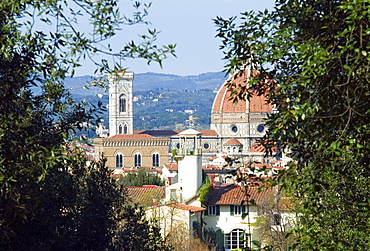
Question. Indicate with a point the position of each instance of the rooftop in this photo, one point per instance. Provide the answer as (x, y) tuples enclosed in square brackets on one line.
[(146, 195), (235, 195)]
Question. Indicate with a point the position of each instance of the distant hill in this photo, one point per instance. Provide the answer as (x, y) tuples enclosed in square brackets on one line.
[(163, 101), (155, 81)]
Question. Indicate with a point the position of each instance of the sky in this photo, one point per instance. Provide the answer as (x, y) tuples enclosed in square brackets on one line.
[(189, 24)]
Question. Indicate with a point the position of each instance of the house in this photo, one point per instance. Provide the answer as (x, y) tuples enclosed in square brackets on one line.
[(232, 212), (169, 173), (177, 219), (147, 195)]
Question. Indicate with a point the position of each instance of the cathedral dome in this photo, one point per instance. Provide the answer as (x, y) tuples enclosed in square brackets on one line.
[(222, 103)]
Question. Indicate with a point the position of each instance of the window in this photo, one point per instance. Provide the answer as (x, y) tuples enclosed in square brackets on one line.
[(234, 129), (237, 210), (122, 129), (137, 159), (235, 239), (155, 159), (206, 146), (122, 103), (173, 195), (260, 128), (228, 149), (213, 210), (119, 160)]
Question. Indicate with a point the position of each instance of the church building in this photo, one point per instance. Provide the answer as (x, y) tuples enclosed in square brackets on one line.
[(233, 131)]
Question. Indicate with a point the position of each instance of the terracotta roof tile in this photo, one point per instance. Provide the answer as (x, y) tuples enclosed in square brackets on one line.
[(257, 147), (131, 136), (130, 170), (259, 104), (223, 104), (264, 165), (144, 195), (192, 209), (210, 167), (234, 195), (208, 132), (233, 141), (172, 167)]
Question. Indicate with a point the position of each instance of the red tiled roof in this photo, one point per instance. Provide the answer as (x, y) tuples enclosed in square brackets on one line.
[(153, 169), (145, 195), (131, 136), (223, 104), (192, 209), (259, 104), (210, 167), (276, 161), (208, 132), (257, 147), (235, 195), (264, 165), (213, 158), (172, 167), (233, 141), (130, 170)]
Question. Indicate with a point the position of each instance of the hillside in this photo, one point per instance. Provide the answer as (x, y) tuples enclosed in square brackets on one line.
[(154, 81), (161, 101)]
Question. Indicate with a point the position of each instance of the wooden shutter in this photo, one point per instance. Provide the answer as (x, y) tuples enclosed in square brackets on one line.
[(232, 210), (244, 214), (243, 209), (217, 209)]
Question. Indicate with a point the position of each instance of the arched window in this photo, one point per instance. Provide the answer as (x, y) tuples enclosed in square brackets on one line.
[(137, 159), (235, 239), (119, 160), (155, 159), (122, 103), (120, 129), (125, 130), (228, 149)]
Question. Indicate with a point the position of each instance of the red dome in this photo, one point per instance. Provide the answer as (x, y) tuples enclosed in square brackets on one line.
[(223, 104)]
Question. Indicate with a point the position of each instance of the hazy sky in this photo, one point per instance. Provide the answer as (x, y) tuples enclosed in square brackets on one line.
[(187, 23)]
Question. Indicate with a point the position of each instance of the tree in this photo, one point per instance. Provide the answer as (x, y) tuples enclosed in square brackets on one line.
[(140, 233), (142, 177), (274, 222), (317, 54), (50, 198)]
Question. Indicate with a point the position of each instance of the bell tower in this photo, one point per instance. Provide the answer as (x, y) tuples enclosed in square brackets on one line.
[(120, 103), (189, 158)]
